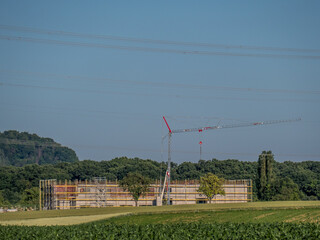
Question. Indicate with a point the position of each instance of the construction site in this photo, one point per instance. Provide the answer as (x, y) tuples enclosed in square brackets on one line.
[(102, 193)]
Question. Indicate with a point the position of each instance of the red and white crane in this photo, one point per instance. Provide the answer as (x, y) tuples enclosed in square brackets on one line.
[(201, 129)]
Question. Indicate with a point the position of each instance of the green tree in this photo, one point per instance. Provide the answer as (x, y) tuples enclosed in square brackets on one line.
[(265, 175), (285, 190), (21, 148), (187, 170), (3, 201), (211, 185), (30, 197), (313, 188), (136, 184)]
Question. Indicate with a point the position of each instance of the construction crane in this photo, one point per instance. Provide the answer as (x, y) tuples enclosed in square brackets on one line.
[(201, 129)]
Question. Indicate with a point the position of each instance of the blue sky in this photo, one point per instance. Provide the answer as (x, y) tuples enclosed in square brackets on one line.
[(103, 89)]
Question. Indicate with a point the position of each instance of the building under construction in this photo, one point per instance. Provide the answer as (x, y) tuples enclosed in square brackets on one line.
[(102, 193)]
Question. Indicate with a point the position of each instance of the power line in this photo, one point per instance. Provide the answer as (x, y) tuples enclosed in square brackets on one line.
[(150, 41), (157, 50), (162, 84), (9, 141), (82, 111), (146, 94), (89, 112), (156, 150)]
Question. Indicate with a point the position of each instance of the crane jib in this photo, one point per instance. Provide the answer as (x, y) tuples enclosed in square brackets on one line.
[(230, 126)]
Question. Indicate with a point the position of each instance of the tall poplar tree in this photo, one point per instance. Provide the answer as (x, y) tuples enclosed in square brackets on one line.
[(265, 175), (262, 178)]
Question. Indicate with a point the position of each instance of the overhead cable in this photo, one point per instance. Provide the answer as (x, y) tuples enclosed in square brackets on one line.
[(159, 84), (157, 50), (150, 41), (104, 92), (9, 141)]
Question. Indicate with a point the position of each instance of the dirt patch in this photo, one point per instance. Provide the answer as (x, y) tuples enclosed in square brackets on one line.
[(314, 218), (264, 215), (299, 218), (61, 220)]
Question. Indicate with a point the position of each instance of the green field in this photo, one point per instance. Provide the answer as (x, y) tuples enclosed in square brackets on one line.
[(311, 215), (21, 216), (185, 231), (259, 220)]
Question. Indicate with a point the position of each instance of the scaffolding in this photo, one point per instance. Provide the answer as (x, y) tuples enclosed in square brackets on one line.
[(100, 192), (101, 197), (47, 194)]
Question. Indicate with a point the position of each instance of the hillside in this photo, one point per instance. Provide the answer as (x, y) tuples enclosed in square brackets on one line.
[(22, 148)]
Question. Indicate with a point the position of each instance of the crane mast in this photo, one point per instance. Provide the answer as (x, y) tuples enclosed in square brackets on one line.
[(201, 129), (168, 173)]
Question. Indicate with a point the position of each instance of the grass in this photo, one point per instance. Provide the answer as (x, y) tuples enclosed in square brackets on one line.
[(311, 215), (268, 220), (77, 216)]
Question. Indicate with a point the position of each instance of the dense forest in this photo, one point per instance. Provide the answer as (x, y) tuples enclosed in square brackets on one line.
[(290, 180), (19, 149)]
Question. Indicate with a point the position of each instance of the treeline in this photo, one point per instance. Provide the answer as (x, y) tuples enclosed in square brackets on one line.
[(288, 181), (22, 148)]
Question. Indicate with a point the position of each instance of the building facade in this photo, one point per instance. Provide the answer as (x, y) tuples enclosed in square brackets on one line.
[(102, 193)]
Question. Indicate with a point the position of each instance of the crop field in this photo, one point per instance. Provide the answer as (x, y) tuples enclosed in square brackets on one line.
[(269, 220), (21, 216), (309, 215), (102, 230)]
